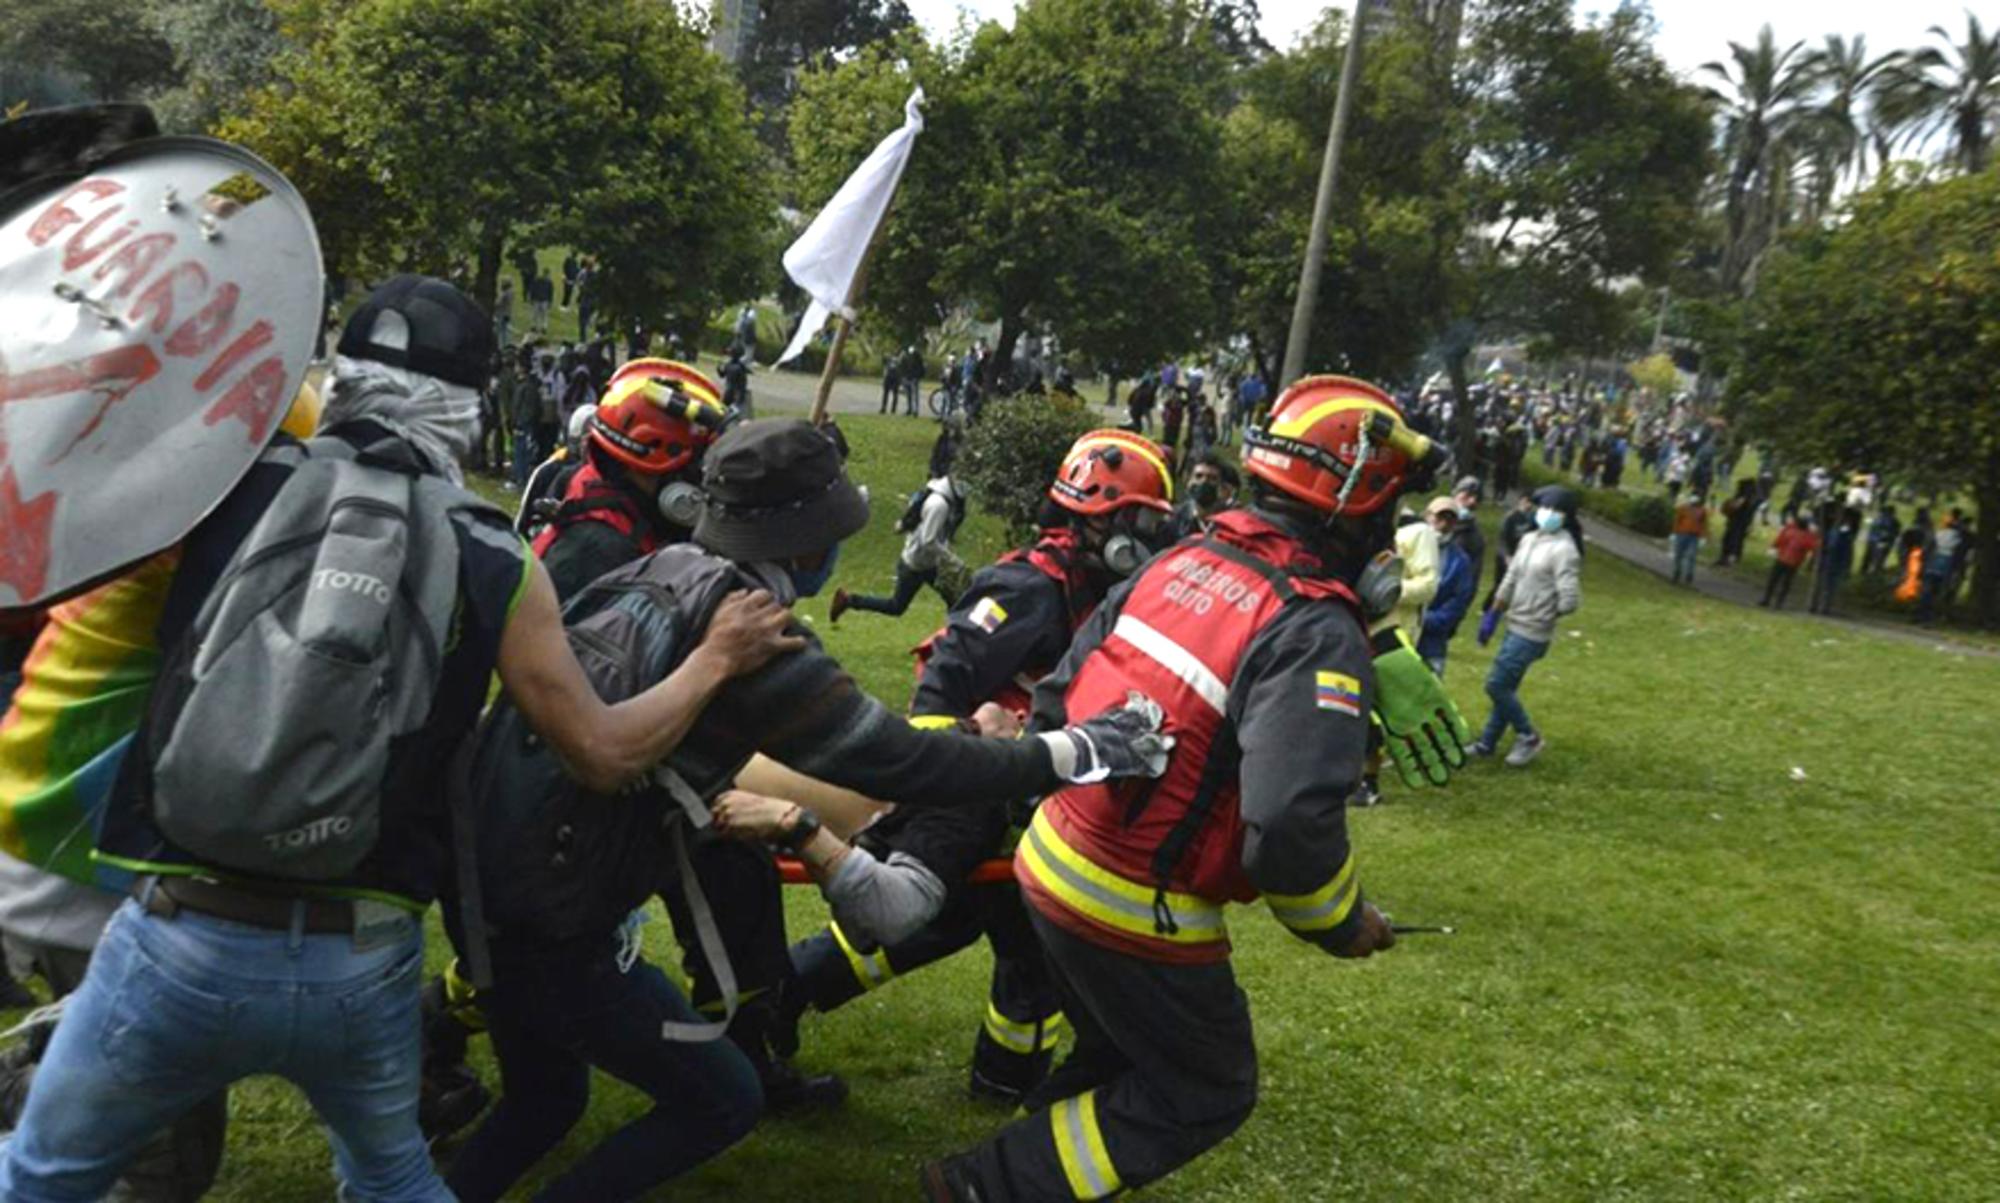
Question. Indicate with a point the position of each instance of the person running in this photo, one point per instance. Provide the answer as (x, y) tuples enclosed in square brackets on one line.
[(1543, 585), (928, 525), (1109, 509), (1254, 641)]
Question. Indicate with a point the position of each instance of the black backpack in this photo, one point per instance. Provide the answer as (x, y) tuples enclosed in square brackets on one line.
[(913, 513)]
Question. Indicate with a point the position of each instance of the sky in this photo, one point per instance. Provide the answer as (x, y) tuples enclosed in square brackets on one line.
[(1692, 32)]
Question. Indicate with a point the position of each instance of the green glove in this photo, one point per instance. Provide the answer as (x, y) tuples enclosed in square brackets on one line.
[(1421, 726)]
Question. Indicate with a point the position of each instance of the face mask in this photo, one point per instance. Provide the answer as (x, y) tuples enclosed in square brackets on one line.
[(1465, 513), (1205, 493), (1549, 520), (1380, 586), (810, 583)]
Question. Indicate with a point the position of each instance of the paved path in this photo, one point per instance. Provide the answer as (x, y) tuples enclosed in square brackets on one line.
[(1654, 556)]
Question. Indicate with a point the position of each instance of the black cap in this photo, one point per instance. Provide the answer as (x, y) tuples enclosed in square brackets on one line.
[(451, 337), (1557, 498), (775, 489)]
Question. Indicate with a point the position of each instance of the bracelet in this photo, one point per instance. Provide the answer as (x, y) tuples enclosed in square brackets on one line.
[(804, 828)]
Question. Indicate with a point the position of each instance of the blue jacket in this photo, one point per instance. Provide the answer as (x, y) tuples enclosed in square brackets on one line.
[(1456, 587)]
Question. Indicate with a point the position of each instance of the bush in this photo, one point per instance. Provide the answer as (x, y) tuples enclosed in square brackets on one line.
[(1013, 452), (1647, 515)]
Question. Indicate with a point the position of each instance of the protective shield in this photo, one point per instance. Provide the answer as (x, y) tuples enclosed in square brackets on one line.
[(156, 317)]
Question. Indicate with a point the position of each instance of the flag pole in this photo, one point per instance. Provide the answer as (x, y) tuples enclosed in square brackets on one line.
[(831, 369)]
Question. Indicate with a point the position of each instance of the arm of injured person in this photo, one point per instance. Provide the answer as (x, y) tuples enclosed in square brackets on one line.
[(876, 901)]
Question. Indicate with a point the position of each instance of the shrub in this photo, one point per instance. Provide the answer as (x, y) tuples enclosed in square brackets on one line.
[(1647, 515), (1013, 452)]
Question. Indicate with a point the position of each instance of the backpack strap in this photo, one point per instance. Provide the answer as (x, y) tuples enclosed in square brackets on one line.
[(465, 852), (695, 811)]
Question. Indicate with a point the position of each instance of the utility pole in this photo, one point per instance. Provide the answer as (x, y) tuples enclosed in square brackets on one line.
[(1329, 175)]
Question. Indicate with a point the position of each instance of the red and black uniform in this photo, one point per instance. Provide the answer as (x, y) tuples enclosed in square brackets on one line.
[(1009, 630), (1255, 655), (602, 524)]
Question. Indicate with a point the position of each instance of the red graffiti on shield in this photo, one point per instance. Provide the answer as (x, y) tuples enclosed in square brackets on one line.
[(24, 552), (112, 375)]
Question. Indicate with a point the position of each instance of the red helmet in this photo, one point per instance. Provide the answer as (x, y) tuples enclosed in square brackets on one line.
[(1337, 444), (657, 415), (1108, 470)]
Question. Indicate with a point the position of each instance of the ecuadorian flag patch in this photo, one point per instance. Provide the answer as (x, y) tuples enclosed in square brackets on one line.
[(988, 615), (1338, 691)]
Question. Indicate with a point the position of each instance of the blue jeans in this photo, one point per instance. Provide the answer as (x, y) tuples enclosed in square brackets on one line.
[(173, 1010), (1685, 549), (551, 1021), (1503, 683)]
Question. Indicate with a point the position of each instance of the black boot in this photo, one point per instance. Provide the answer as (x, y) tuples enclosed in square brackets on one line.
[(950, 1181), (786, 1087)]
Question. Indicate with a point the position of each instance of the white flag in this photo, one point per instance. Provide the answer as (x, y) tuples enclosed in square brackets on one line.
[(826, 257)]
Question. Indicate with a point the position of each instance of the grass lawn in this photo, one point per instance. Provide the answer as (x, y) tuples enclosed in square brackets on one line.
[(1680, 973)]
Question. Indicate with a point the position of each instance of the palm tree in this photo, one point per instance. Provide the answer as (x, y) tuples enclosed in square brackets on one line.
[(1842, 134), (1763, 110), (1933, 92)]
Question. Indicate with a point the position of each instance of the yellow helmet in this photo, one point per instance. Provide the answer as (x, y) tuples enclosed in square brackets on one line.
[(302, 419)]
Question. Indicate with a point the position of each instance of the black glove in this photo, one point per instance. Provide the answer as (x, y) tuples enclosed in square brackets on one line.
[(1124, 741)]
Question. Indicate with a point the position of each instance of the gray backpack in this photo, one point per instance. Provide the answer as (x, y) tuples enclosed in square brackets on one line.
[(271, 733)]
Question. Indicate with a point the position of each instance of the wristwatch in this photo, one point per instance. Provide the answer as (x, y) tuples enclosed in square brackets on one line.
[(804, 828)]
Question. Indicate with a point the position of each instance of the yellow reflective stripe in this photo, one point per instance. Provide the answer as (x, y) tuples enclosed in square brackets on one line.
[(1325, 907), (1138, 445), (934, 722), (1023, 1038), (1109, 899), (1293, 428), (870, 969), (1085, 1160)]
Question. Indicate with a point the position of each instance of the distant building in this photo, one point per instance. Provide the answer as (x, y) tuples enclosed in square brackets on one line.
[(735, 29)]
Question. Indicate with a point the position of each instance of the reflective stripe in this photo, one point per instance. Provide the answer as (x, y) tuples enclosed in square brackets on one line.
[(1325, 907), (1023, 1038), (1104, 897), (1296, 428), (1175, 659), (870, 969), (935, 722), (1085, 1161)]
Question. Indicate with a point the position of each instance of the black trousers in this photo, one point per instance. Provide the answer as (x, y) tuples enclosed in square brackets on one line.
[(1017, 1036), (909, 582), (1779, 585), (1164, 1069), (743, 890)]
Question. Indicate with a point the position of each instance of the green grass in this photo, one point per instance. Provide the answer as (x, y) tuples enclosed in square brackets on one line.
[(1680, 974)]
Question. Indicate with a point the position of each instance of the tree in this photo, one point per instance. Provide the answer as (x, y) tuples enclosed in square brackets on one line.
[(1956, 94), (1764, 109), (1067, 176), (794, 35), (112, 44), (1872, 343), (1584, 161), (1838, 131), (1396, 219), (223, 49), (432, 133)]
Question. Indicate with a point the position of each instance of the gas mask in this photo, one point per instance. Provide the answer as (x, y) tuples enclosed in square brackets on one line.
[(680, 503), (1380, 585), (1136, 535)]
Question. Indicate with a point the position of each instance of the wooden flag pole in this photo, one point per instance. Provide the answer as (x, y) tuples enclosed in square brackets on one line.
[(846, 326)]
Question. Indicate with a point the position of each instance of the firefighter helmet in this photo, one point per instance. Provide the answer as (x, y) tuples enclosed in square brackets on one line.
[(658, 415), (1108, 470), (1337, 444)]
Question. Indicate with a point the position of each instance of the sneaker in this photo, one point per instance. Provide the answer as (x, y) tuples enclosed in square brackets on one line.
[(1525, 750), (1478, 749), (841, 601), (1368, 793)]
